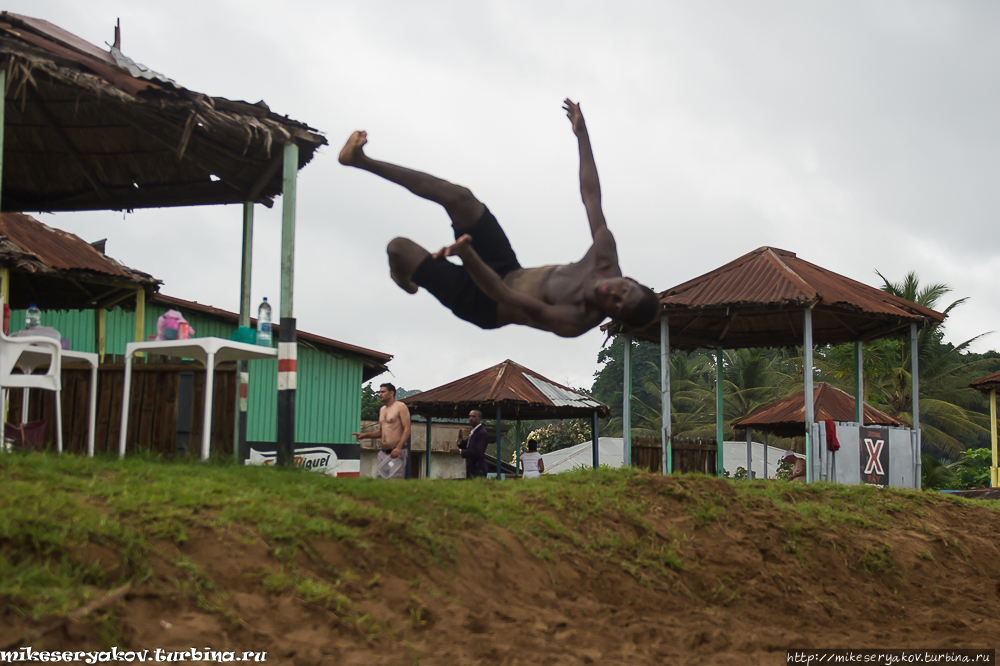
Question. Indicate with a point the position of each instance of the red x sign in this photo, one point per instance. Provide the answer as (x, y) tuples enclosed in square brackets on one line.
[(874, 451)]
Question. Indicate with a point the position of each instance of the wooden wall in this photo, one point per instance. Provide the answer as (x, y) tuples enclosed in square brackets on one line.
[(152, 425), (689, 455)]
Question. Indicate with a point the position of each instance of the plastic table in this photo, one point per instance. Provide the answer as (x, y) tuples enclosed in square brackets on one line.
[(211, 352), (36, 356)]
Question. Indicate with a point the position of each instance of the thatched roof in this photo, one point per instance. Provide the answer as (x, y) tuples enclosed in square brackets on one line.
[(787, 417), (60, 271), (519, 392), (758, 300), (91, 129)]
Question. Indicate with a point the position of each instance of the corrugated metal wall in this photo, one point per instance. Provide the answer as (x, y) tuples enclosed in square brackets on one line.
[(78, 326), (328, 396)]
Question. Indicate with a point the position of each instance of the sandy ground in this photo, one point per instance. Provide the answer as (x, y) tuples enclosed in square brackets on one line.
[(750, 590)]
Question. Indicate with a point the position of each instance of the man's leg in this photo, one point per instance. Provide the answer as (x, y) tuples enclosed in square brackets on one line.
[(463, 208)]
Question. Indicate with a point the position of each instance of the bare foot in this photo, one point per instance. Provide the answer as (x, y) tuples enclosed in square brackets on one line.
[(406, 284), (351, 154)]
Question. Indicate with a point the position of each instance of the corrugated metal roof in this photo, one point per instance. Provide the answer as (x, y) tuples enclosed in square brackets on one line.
[(787, 417), (61, 271), (759, 299), (561, 397), (518, 391), (987, 383), (56, 248)]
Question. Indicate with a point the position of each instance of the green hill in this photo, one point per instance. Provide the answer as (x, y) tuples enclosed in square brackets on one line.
[(588, 567)]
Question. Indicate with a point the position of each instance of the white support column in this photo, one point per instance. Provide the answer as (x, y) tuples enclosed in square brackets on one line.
[(126, 398), (859, 383), (206, 435), (918, 469), (666, 463), (807, 395), (627, 403)]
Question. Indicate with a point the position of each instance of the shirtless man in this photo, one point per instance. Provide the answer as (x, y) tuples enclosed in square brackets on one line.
[(393, 429), (492, 289)]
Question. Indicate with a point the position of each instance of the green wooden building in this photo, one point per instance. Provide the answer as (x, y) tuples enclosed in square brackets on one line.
[(330, 373)]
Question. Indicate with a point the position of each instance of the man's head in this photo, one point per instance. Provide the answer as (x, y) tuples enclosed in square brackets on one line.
[(789, 456), (627, 301), (532, 445), (475, 417), (387, 392)]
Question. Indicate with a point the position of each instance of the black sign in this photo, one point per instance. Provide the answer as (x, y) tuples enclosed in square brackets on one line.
[(875, 456)]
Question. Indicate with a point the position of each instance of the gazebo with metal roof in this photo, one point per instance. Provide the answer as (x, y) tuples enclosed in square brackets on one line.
[(506, 389), (787, 417), (771, 298), (82, 128)]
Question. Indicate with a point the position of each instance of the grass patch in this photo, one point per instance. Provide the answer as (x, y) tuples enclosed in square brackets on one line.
[(56, 510)]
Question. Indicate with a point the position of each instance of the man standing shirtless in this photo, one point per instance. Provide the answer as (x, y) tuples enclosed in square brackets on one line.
[(492, 289), (393, 430)]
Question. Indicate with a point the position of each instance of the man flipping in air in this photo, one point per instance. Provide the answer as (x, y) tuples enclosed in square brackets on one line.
[(492, 289)]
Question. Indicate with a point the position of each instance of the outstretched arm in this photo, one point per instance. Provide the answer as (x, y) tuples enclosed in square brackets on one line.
[(590, 184)]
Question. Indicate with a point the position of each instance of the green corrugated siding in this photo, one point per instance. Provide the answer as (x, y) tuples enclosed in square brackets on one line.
[(120, 327), (328, 395), (327, 399), (77, 326)]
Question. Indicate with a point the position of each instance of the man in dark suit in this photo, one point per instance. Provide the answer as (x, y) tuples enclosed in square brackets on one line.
[(472, 447)]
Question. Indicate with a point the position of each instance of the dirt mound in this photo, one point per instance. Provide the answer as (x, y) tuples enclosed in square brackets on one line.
[(704, 572)]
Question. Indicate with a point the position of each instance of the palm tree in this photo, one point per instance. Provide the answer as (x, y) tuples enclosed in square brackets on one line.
[(948, 408)]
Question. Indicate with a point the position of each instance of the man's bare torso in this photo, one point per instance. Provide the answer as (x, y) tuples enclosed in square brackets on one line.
[(564, 285), (389, 419)]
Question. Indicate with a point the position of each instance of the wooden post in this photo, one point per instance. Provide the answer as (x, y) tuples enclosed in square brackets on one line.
[(102, 333), (140, 317), (993, 437), (427, 463)]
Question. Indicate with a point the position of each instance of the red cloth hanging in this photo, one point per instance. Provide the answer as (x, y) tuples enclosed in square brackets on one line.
[(832, 443)]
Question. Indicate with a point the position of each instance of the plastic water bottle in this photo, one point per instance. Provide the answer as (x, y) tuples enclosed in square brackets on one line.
[(264, 324), (34, 317)]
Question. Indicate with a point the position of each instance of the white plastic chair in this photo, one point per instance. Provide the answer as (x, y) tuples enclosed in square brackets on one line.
[(25, 353)]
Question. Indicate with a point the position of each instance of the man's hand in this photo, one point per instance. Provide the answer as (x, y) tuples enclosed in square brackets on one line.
[(575, 116), (456, 249), (394, 453), (456, 452), (357, 436), (459, 248)]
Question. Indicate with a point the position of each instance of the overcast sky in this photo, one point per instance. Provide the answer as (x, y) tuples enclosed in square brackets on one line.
[(861, 135)]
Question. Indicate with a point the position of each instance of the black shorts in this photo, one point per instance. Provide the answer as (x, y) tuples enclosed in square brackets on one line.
[(453, 286)]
